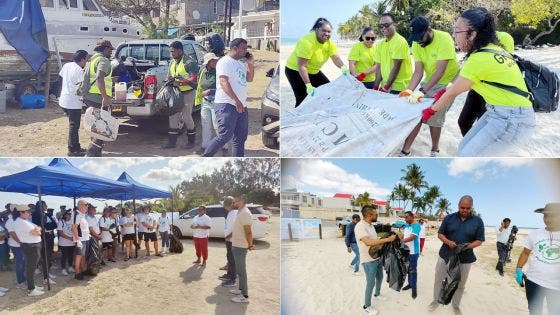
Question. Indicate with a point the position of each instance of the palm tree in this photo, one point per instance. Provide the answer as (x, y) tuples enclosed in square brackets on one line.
[(442, 206), (430, 197), (363, 199)]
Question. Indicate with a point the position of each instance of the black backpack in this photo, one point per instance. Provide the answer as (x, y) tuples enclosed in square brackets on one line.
[(542, 83)]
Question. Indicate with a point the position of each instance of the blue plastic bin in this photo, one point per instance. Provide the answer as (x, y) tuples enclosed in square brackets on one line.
[(32, 101)]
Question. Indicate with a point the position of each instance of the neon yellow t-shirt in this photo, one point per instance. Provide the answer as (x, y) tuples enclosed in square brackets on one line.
[(363, 57), (506, 40), (309, 48), (386, 52), (441, 48), (495, 68)]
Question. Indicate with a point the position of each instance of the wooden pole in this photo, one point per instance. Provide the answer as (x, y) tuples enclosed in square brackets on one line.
[(320, 231), (290, 231)]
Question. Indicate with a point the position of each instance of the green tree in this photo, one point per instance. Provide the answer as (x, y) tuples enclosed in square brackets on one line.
[(362, 200), (537, 13), (430, 197), (414, 178), (442, 206)]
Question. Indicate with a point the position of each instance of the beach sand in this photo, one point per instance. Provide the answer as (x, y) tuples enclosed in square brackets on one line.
[(541, 144), (155, 285), (316, 279)]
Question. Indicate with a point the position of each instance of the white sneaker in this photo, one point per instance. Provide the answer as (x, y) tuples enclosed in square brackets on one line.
[(357, 273), (240, 299), (37, 271), (51, 281), (40, 288), (235, 291), (71, 269), (52, 276), (35, 293), (64, 272), (380, 297), (370, 310)]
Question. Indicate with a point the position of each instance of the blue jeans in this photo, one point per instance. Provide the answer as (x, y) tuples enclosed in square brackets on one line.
[(498, 130), (535, 297), (209, 123), (412, 270), (231, 124), (356, 261), (20, 264), (164, 238), (4, 254), (239, 256), (374, 277)]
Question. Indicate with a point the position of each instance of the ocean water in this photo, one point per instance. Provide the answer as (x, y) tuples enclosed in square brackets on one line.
[(288, 40)]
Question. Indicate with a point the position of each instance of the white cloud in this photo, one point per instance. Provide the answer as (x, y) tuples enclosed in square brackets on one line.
[(11, 165), (479, 167), (106, 166), (162, 174), (183, 168), (328, 178)]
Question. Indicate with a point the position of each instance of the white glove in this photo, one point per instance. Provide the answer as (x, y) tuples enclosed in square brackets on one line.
[(79, 244), (415, 97)]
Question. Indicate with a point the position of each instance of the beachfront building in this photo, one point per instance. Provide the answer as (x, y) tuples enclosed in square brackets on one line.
[(301, 199)]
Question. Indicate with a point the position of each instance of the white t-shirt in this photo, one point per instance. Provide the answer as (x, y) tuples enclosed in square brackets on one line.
[(230, 220), (422, 230), (201, 220), (163, 223), (361, 230), (84, 226), (10, 227), (150, 222), (72, 74), (127, 220), (140, 219), (503, 236), (244, 217), (93, 223), (23, 231), (544, 262), (66, 228), (236, 72), (105, 222)]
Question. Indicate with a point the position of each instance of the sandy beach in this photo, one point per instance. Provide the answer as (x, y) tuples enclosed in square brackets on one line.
[(155, 285), (316, 279), (541, 144)]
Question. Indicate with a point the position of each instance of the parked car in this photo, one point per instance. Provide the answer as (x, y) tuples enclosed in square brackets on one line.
[(398, 224), (182, 224), (340, 221), (147, 64), (270, 110)]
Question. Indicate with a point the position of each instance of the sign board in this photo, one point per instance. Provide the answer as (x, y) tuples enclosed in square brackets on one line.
[(343, 118), (301, 228)]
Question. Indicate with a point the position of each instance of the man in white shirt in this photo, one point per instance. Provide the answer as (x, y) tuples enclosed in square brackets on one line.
[(201, 231), (502, 237), (150, 226), (164, 226), (140, 227), (29, 236), (80, 235), (542, 250), (230, 102), (72, 75), (241, 242), (14, 243), (229, 277)]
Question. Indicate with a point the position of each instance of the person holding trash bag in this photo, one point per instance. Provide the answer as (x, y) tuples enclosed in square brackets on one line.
[(303, 67)]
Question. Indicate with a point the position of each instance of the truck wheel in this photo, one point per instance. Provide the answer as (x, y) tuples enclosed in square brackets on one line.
[(268, 141), (177, 232)]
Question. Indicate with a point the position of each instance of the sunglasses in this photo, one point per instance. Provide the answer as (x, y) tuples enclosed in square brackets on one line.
[(369, 38), (385, 25)]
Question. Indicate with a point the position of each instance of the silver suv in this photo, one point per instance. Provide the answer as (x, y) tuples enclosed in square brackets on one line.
[(147, 64)]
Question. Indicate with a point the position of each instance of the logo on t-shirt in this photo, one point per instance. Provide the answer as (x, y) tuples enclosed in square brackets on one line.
[(242, 76), (548, 252)]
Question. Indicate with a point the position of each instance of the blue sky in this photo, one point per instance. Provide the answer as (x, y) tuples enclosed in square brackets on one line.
[(156, 172), (297, 17), (511, 187)]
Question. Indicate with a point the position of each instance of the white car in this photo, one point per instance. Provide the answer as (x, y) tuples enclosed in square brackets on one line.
[(182, 225)]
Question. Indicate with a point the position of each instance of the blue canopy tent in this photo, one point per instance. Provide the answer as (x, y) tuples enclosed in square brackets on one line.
[(59, 178)]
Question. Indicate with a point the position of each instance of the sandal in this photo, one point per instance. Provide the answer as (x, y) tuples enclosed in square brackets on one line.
[(404, 154), (434, 153)]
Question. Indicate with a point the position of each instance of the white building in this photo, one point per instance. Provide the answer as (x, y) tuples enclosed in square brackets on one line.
[(300, 199)]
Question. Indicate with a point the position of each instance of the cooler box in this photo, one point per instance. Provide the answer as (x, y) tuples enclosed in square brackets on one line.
[(32, 101)]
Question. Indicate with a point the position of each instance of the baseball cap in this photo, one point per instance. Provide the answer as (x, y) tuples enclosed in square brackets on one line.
[(418, 27), (549, 207), (105, 43)]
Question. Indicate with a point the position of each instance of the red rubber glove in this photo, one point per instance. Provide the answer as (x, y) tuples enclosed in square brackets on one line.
[(438, 94), (375, 88), (385, 89), (361, 76), (427, 113)]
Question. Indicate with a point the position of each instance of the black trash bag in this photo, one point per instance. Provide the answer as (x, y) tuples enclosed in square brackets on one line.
[(453, 277), (169, 99), (93, 258), (175, 245), (394, 259), (510, 241)]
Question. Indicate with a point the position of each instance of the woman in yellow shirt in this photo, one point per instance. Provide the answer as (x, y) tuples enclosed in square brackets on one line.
[(360, 59), (509, 119), (303, 67)]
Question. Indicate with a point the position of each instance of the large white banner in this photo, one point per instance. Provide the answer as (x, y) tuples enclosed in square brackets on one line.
[(344, 118)]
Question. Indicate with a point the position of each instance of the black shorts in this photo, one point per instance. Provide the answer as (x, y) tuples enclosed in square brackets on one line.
[(128, 237), (107, 245), (150, 237), (141, 235)]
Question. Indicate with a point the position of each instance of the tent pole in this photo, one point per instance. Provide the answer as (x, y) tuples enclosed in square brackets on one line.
[(74, 203), (43, 235)]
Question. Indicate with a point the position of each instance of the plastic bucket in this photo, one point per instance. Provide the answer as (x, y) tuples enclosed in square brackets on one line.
[(32, 101)]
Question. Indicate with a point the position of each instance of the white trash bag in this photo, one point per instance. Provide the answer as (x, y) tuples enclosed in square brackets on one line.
[(99, 124)]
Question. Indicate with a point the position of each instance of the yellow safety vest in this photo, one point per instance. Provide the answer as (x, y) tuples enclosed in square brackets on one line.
[(94, 89), (178, 69)]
